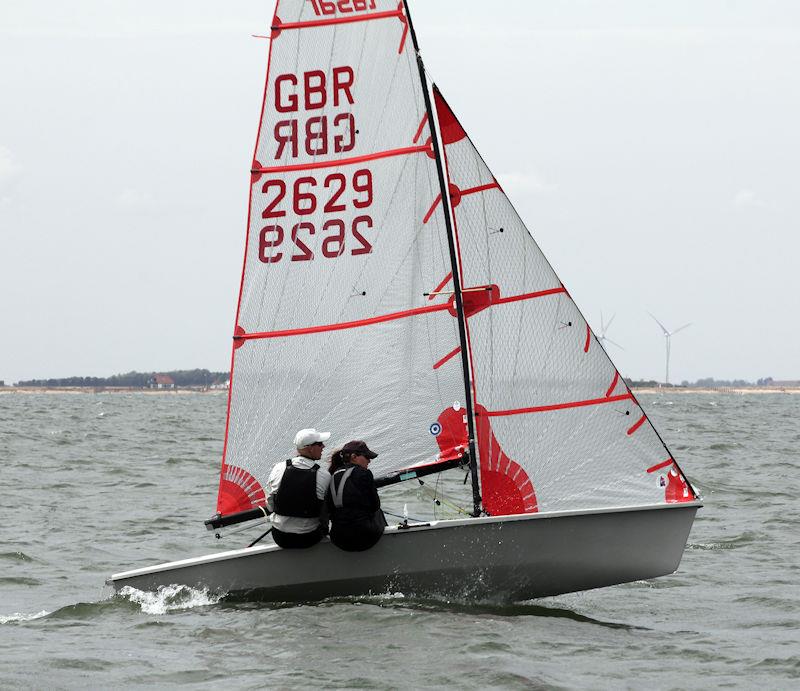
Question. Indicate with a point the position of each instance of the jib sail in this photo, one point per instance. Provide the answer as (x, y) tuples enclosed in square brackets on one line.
[(557, 427)]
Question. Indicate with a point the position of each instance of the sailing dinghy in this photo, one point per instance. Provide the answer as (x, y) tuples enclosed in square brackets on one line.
[(390, 292)]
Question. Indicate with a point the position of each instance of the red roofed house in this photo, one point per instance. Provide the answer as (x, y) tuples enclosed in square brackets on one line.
[(161, 381)]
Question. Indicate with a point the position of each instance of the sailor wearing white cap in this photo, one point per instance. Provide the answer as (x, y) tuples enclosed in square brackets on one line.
[(296, 491)]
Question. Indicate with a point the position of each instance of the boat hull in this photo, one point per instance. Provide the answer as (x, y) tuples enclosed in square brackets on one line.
[(506, 558)]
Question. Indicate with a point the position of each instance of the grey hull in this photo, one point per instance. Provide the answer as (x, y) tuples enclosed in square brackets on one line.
[(502, 558)]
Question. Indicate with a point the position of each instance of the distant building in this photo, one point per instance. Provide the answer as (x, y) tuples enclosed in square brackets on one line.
[(221, 384), (161, 381)]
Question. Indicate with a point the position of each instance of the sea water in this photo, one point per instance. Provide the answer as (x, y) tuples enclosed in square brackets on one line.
[(98, 483)]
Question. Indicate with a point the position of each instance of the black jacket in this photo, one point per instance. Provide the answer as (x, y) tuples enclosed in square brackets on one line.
[(360, 498)]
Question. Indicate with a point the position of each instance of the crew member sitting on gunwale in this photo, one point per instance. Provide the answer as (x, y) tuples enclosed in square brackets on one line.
[(296, 492), (357, 521)]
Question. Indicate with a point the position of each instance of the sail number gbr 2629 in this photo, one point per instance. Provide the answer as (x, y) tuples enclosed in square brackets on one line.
[(331, 194), (320, 212)]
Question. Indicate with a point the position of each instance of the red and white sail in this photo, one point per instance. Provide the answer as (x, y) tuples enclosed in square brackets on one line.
[(557, 426), (347, 320), (334, 329)]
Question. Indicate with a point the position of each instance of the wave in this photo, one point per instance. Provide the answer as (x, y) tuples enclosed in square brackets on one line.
[(444, 603), (725, 446), (19, 580), (15, 556), (19, 617), (169, 598), (166, 599), (746, 538)]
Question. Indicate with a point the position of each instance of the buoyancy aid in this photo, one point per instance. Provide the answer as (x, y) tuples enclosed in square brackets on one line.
[(297, 492)]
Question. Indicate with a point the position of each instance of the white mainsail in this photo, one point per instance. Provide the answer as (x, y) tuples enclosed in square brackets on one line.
[(333, 327)]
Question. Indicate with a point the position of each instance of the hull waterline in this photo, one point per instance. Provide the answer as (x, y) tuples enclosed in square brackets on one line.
[(506, 558)]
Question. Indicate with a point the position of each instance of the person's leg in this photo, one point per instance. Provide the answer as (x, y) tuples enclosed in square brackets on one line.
[(355, 538), (296, 540)]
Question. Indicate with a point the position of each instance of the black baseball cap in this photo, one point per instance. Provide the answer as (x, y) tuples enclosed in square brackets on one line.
[(360, 448)]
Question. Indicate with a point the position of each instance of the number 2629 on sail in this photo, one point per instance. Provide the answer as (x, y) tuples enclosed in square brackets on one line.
[(338, 237)]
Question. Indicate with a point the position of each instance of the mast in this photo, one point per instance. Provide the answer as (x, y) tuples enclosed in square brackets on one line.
[(462, 334)]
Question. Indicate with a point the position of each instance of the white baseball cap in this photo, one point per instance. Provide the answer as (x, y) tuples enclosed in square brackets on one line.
[(306, 437)]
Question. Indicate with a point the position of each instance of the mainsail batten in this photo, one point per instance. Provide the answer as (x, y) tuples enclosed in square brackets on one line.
[(259, 170)]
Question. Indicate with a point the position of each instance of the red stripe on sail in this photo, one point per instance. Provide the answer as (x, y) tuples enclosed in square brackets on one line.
[(558, 406), (341, 325), (613, 384), (405, 27), (637, 425), (444, 282), (344, 161), (456, 194), (529, 296), (588, 339), (282, 26), (447, 357), (428, 215), (659, 466), (480, 188)]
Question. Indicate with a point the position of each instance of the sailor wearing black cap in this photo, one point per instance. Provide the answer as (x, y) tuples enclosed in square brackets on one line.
[(296, 493), (357, 521)]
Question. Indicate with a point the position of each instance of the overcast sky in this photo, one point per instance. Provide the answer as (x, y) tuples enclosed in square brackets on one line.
[(652, 148)]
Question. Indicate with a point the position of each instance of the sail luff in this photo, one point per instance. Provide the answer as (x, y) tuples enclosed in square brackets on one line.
[(456, 272), (244, 267)]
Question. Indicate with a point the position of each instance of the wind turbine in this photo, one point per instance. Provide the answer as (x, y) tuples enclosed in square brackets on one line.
[(667, 336), (603, 328)]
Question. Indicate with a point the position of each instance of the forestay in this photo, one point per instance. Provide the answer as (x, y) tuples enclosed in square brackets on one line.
[(333, 328), (557, 426)]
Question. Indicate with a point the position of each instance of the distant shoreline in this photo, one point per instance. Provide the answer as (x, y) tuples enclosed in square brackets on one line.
[(739, 390), (107, 389), (680, 390)]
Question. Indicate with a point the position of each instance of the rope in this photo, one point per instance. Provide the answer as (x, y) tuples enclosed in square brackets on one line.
[(397, 515), (441, 499)]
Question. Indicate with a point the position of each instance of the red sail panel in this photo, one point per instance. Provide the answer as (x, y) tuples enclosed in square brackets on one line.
[(334, 327), (556, 427)]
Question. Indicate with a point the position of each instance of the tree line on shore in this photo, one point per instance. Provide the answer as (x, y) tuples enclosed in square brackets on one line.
[(206, 378), (704, 383), (136, 380)]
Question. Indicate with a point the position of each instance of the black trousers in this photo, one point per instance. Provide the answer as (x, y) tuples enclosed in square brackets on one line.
[(358, 536), (296, 540)]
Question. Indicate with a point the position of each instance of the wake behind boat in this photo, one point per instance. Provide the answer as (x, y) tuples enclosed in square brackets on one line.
[(390, 292)]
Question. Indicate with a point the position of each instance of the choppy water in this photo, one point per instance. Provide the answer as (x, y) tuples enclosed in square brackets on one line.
[(93, 484)]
